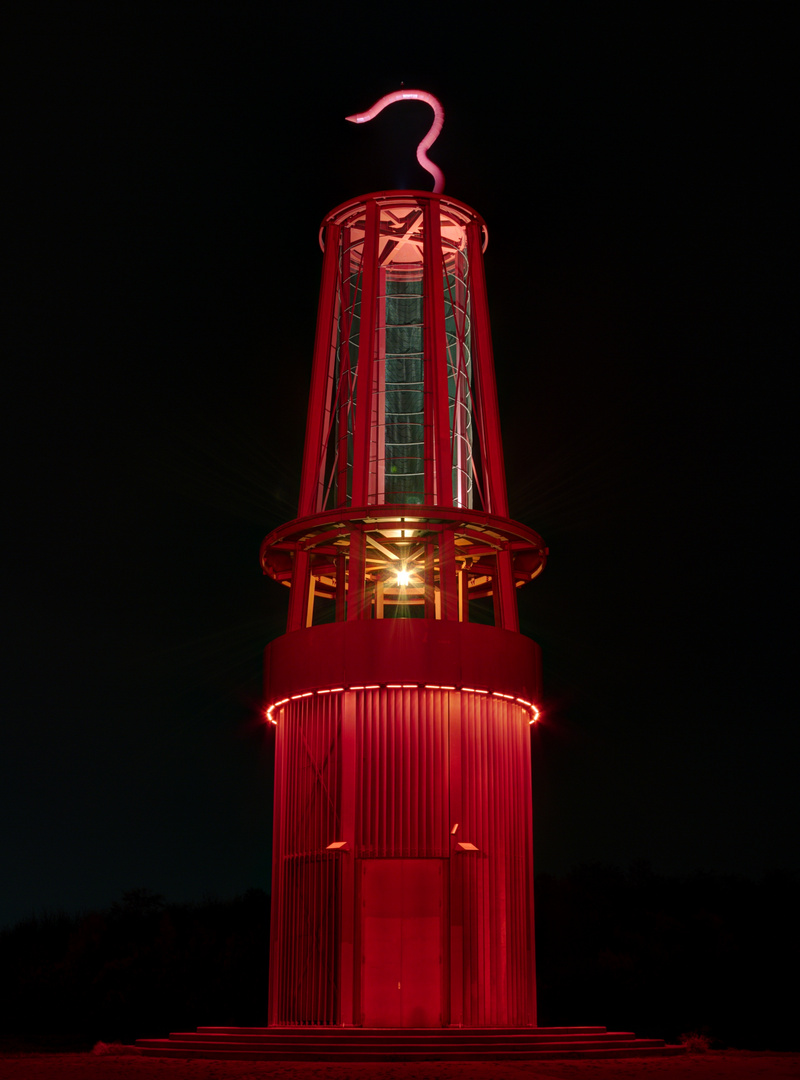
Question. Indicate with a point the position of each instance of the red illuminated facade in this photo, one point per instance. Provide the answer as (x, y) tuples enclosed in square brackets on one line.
[(402, 691)]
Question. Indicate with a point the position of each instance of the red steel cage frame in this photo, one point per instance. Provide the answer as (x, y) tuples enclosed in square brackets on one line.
[(402, 692)]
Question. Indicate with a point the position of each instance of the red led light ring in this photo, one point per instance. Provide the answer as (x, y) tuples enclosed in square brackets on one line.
[(528, 706)]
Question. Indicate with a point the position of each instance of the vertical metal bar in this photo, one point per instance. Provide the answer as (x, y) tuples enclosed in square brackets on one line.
[(326, 478), (328, 899), (291, 944), (484, 381), (395, 778), (404, 744), (430, 584), (436, 355), (298, 594), (521, 883), (439, 775), (516, 862), (341, 589), (312, 466), (418, 809), (484, 842), (462, 358), (366, 365), (378, 703), (527, 774), (388, 718), (390, 721), (497, 606), (477, 925), (504, 867), (356, 575), (313, 973), (328, 909), (429, 789), (455, 814), (427, 756), (377, 453), (428, 379), (276, 934), (310, 599), (463, 595), (447, 574), (305, 899), (347, 959), (294, 944), (366, 755), (457, 371), (442, 778), (505, 593), (344, 390)]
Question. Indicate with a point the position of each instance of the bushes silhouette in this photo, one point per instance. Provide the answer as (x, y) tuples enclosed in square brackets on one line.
[(631, 950), (661, 956), (144, 967)]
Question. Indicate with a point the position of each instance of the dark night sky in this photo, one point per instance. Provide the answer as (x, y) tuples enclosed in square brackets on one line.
[(173, 166)]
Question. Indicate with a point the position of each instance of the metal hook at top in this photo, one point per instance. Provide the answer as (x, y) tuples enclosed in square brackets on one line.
[(430, 138)]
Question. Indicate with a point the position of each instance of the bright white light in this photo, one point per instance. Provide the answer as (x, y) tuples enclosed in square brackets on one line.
[(403, 577)]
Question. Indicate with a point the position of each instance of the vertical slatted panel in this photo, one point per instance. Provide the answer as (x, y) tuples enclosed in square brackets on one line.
[(402, 794), (402, 811), (307, 942), (496, 881)]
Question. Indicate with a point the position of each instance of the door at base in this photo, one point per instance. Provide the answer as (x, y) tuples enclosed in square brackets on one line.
[(402, 908)]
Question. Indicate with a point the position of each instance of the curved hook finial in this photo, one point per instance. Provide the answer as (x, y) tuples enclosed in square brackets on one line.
[(430, 138)]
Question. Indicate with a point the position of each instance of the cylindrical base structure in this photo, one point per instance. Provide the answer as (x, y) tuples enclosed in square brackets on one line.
[(402, 891)]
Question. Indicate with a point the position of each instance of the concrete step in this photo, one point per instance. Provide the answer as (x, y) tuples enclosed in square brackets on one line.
[(366, 1056), (361, 1032), (423, 1039), (402, 1047), (384, 1044)]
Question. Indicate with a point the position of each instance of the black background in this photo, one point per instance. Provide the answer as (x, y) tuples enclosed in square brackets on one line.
[(170, 167)]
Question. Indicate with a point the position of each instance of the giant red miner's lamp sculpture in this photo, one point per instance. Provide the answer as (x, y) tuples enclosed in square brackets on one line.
[(402, 691)]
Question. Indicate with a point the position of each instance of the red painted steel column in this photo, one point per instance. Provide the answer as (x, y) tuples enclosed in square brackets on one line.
[(448, 581), (430, 590), (276, 908), (436, 355), (356, 602), (529, 917), (349, 966), (485, 385), (505, 593), (340, 609), (456, 876), (345, 397), (298, 595), (366, 362), (311, 479)]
